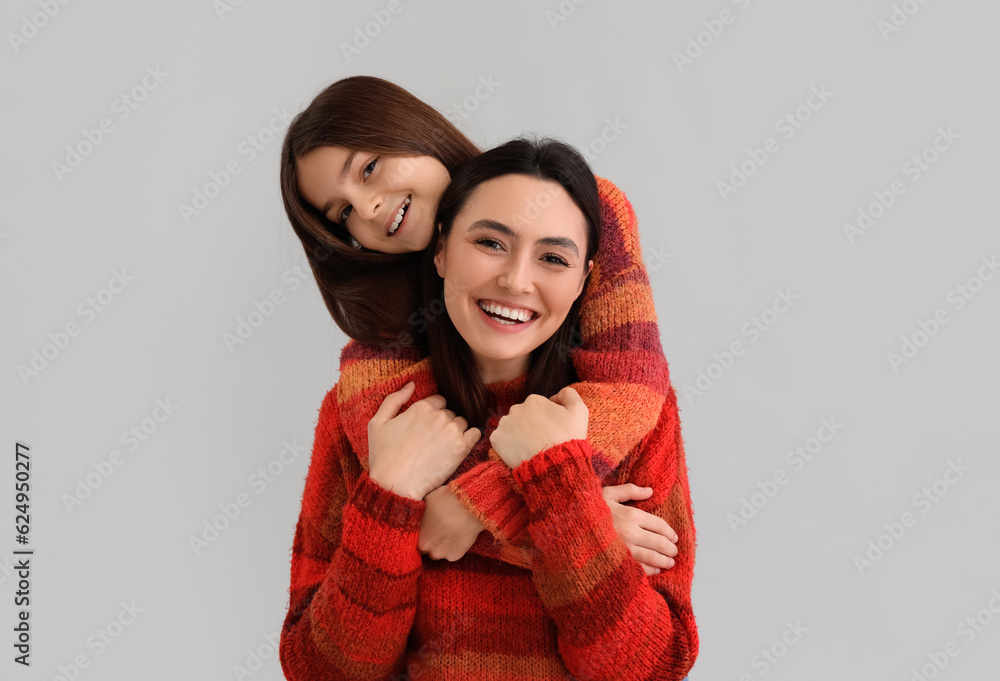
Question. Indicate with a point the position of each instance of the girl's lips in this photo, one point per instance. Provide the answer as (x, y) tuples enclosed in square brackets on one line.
[(504, 328), (406, 217)]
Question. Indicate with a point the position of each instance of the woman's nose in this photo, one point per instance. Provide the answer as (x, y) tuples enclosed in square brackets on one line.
[(516, 274)]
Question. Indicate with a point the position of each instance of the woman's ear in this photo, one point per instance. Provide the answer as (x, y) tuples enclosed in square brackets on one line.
[(583, 279), (439, 258)]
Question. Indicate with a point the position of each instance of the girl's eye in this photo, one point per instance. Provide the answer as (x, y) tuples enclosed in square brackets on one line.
[(490, 244), (370, 168), (344, 214), (556, 260)]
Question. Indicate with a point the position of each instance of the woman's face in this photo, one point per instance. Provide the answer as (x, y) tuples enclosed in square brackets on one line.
[(512, 266), (366, 192)]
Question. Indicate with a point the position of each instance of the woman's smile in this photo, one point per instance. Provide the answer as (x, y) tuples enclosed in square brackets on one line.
[(504, 318), (510, 279)]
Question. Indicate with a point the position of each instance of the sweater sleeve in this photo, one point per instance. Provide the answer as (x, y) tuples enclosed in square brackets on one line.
[(624, 378), (623, 375), (613, 621), (354, 568)]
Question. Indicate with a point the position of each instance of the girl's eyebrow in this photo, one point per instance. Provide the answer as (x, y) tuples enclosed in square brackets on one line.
[(495, 226)]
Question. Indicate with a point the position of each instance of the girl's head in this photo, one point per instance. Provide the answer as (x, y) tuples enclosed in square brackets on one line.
[(362, 150), (519, 228)]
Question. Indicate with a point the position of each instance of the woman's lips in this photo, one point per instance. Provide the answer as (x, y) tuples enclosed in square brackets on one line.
[(516, 327)]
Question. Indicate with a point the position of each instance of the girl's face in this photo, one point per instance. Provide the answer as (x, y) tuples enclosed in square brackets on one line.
[(367, 192), (512, 266)]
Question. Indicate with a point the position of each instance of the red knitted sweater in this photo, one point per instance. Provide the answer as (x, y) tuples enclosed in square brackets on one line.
[(502, 612), (365, 604), (624, 379)]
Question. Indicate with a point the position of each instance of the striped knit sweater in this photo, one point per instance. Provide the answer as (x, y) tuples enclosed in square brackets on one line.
[(365, 604), (623, 373), (625, 383)]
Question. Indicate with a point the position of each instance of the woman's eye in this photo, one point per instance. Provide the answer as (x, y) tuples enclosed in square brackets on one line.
[(556, 260), (370, 168), (344, 214), (491, 244)]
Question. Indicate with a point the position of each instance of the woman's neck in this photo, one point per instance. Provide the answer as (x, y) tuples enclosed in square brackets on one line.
[(493, 370)]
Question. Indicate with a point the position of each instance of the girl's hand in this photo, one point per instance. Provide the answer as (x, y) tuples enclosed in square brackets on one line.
[(447, 529), (651, 540), (538, 423), (417, 451)]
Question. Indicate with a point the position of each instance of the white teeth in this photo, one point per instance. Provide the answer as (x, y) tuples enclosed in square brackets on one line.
[(517, 315), (399, 216)]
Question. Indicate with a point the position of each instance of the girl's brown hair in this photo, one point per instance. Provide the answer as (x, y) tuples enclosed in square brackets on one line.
[(370, 295), (550, 369)]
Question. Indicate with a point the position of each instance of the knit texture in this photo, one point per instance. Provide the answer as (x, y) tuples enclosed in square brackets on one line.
[(624, 380), (365, 604)]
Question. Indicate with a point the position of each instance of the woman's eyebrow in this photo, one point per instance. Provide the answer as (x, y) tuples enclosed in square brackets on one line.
[(564, 242)]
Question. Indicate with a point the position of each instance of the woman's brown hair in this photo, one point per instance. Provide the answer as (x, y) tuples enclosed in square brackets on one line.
[(550, 369), (370, 295)]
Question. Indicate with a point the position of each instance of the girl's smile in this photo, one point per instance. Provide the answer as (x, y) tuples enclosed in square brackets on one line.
[(387, 203)]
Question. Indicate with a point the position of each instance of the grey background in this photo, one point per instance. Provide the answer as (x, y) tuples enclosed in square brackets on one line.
[(715, 264)]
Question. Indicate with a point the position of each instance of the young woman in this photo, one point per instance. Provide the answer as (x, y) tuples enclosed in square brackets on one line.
[(362, 171), (363, 603)]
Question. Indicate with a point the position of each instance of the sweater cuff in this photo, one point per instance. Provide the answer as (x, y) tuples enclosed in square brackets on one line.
[(487, 490), (386, 507), (559, 472)]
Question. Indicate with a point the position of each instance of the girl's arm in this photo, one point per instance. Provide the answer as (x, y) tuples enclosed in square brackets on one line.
[(613, 621), (354, 571), (624, 378)]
